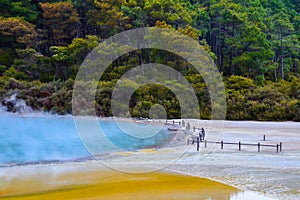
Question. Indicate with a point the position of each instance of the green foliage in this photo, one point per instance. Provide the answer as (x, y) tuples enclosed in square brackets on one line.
[(11, 72), (260, 80), (135, 12), (274, 101), (255, 45), (32, 65), (239, 84), (6, 56), (19, 29), (67, 59), (2, 69), (108, 17), (26, 9), (170, 11), (61, 20)]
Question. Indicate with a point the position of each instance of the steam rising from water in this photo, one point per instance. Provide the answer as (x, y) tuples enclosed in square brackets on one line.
[(34, 138), (13, 104)]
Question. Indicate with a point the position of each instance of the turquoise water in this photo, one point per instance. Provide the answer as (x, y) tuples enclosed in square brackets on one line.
[(27, 139)]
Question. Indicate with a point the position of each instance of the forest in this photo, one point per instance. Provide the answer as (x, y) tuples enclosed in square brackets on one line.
[(255, 44)]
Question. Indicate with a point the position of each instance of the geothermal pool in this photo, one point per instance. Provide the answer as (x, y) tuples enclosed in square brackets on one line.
[(48, 149), (46, 138)]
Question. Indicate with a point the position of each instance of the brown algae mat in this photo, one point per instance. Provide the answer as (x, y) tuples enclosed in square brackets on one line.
[(115, 185)]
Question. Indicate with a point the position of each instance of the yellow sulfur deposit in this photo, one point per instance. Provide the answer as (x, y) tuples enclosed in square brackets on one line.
[(110, 185)]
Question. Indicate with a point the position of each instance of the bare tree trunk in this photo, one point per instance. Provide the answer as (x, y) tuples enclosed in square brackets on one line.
[(281, 57)]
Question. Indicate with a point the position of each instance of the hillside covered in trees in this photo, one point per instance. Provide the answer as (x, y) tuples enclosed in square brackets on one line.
[(254, 43)]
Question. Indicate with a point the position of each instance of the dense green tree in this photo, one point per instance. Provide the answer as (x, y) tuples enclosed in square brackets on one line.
[(254, 43), (108, 18), (133, 9), (32, 65), (281, 27), (14, 31), (26, 9), (172, 12), (67, 59), (61, 22)]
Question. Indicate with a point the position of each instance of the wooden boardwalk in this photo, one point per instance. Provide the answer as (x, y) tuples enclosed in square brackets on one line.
[(198, 141)]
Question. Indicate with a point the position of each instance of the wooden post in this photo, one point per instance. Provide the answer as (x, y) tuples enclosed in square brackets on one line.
[(194, 128), (198, 143), (240, 148), (280, 146), (258, 147), (222, 144), (277, 148), (205, 143), (264, 138)]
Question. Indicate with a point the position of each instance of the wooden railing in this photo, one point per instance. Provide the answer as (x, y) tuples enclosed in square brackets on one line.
[(239, 144)]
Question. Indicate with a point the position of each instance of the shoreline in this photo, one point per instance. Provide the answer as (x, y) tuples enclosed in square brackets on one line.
[(92, 164), (269, 173), (165, 183), (147, 120), (110, 185)]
